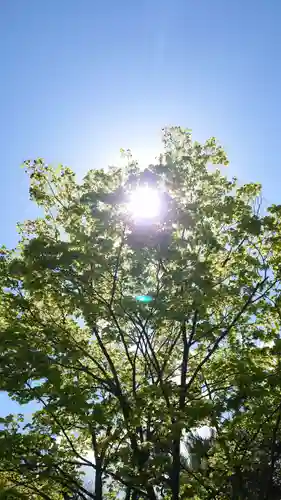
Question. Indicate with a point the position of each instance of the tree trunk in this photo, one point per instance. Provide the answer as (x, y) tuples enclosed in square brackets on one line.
[(150, 493), (98, 480), (175, 473), (128, 493)]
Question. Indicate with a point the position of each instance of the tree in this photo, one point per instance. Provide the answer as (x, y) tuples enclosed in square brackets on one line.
[(122, 382), (32, 465)]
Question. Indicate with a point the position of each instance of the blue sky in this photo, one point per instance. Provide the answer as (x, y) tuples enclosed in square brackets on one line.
[(82, 79)]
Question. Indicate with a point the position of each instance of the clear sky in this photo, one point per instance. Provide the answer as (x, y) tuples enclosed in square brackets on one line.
[(80, 79)]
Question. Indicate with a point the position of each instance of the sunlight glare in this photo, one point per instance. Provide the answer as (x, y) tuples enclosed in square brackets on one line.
[(145, 203)]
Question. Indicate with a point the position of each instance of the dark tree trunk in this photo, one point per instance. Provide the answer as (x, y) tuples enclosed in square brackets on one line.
[(128, 493), (98, 480), (175, 473)]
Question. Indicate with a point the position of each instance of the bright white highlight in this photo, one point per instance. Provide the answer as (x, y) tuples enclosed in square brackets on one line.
[(145, 203)]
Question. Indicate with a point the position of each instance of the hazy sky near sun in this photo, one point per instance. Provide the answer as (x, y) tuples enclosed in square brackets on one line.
[(80, 79)]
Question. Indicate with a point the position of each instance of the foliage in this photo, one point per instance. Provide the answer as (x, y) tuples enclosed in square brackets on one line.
[(123, 384)]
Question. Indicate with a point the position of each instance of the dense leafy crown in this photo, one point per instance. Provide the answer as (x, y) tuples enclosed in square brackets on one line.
[(126, 387)]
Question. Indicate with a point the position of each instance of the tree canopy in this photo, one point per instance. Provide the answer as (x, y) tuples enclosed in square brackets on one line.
[(152, 345)]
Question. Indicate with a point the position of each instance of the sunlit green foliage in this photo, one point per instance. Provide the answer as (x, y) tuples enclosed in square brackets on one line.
[(125, 384)]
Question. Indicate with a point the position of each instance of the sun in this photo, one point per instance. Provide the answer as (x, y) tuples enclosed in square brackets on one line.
[(144, 203)]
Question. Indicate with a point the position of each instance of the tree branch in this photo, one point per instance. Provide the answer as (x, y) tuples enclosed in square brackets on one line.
[(223, 335)]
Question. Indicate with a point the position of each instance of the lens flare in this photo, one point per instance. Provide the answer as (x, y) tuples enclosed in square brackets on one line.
[(144, 298)]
